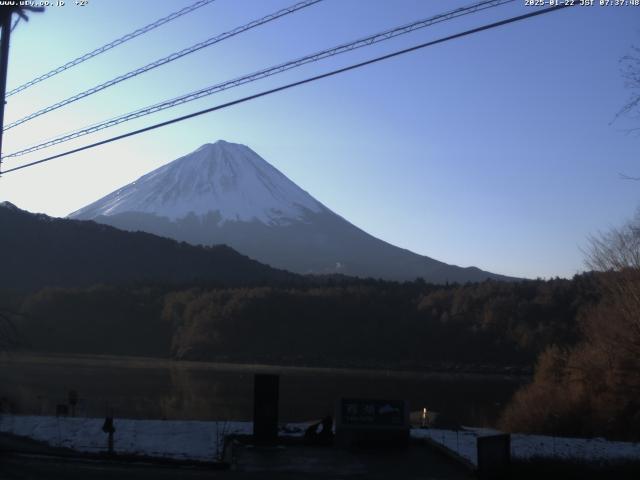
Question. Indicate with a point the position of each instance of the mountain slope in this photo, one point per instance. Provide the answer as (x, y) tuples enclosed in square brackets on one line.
[(231, 178), (39, 251), (224, 193)]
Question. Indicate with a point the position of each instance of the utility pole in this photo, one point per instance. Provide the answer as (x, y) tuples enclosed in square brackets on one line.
[(4, 63), (5, 23)]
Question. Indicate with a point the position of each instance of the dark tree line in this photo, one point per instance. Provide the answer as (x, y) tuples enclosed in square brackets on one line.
[(337, 322)]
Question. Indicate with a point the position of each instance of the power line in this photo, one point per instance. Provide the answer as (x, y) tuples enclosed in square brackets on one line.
[(112, 44), (295, 84), (5, 24), (165, 60), (346, 47)]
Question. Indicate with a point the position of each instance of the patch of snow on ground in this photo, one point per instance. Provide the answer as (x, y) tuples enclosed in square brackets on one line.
[(527, 446), (203, 440), (186, 440), (464, 443)]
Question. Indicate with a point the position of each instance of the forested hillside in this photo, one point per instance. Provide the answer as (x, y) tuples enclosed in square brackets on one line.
[(41, 251), (336, 323)]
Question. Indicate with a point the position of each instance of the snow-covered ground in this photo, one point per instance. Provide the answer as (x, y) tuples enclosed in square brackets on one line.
[(459, 441), (192, 440), (463, 443), (203, 440)]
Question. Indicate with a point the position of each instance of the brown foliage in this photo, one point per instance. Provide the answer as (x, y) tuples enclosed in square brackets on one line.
[(593, 388)]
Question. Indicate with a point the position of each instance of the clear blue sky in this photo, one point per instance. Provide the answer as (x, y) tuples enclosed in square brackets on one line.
[(495, 150)]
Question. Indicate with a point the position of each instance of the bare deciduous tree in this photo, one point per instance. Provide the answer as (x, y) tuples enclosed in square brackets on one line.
[(631, 73), (630, 70), (617, 250), (593, 388), (617, 254)]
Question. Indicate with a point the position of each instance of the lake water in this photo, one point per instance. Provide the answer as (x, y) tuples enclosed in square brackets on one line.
[(153, 388)]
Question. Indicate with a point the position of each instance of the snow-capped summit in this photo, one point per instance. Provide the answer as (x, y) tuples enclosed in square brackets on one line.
[(225, 193), (225, 178)]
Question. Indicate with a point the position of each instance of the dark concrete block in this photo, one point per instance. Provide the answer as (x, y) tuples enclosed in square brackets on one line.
[(265, 408), (494, 456)]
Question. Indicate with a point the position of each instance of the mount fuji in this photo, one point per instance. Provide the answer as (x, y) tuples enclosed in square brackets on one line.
[(225, 193)]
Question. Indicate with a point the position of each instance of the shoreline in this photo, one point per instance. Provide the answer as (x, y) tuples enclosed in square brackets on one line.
[(123, 361)]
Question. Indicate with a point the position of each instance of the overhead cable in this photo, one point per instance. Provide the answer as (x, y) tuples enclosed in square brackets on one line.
[(330, 52), (164, 60), (110, 45), (292, 85)]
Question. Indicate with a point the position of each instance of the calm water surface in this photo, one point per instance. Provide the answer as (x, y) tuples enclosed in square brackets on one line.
[(152, 388)]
